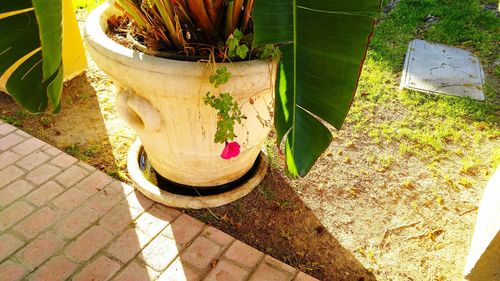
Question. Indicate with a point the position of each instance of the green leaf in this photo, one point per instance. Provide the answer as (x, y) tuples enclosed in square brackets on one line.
[(238, 34), (232, 43), (234, 48), (228, 113), (220, 77), (31, 37), (269, 52), (14, 5), (323, 45), (242, 51), (298, 151)]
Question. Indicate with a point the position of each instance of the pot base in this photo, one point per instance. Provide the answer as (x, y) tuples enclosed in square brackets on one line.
[(176, 195)]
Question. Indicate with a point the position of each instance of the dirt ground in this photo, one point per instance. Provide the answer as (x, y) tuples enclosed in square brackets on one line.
[(354, 217)]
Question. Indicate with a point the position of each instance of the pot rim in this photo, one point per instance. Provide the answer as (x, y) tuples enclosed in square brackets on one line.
[(98, 41), (157, 194)]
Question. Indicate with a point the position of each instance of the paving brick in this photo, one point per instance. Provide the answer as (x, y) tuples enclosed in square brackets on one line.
[(138, 201), (279, 265), (243, 254), (36, 223), (183, 229), (13, 214), (136, 272), (6, 129), (28, 146), (163, 212), (304, 277), (43, 173), (13, 191), (226, 271), (40, 249), (105, 199), (268, 273), (179, 270), (8, 245), (7, 158), (9, 175), (76, 222), (131, 242), (160, 253), (155, 238), (52, 151), (69, 200), (64, 161), (9, 140), (101, 269), (57, 269), (71, 176), (119, 217), (86, 166), (150, 224), (94, 182), (217, 236), (23, 134), (12, 271), (122, 188), (201, 253), (89, 243), (45, 193), (33, 160)]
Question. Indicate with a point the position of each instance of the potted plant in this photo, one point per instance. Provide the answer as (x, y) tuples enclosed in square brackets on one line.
[(190, 138), (203, 112)]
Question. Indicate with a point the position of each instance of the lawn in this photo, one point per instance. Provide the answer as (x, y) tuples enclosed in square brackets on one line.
[(393, 198), (433, 127)]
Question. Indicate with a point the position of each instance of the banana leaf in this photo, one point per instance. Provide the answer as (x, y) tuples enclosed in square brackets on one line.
[(323, 45), (31, 52)]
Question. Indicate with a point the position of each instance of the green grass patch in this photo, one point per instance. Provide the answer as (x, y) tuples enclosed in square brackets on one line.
[(15, 119), (456, 22), (430, 127)]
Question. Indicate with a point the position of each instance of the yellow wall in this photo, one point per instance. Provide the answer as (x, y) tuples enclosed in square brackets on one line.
[(74, 59)]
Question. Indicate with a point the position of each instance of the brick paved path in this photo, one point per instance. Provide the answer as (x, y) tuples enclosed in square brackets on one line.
[(62, 219)]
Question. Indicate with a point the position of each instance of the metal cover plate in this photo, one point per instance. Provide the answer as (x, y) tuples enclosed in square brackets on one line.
[(440, 69)]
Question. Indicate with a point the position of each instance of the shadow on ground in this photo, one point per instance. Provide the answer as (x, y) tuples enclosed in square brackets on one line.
[(274, 220), (79, 130), (166, 244)]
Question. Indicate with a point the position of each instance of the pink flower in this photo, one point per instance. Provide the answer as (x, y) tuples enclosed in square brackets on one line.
[(231, 150)]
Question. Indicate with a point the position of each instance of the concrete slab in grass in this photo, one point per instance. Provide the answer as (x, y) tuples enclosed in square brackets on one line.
[(440, 69)]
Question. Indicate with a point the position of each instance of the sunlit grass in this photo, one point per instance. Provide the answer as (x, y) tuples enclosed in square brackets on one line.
[(430, 127), (86, 4), (458, 22)]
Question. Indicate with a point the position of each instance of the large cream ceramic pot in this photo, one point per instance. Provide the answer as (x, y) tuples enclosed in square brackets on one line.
[(162, 100)]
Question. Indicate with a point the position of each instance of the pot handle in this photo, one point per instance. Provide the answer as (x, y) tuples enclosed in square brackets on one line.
[(138, 112)]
